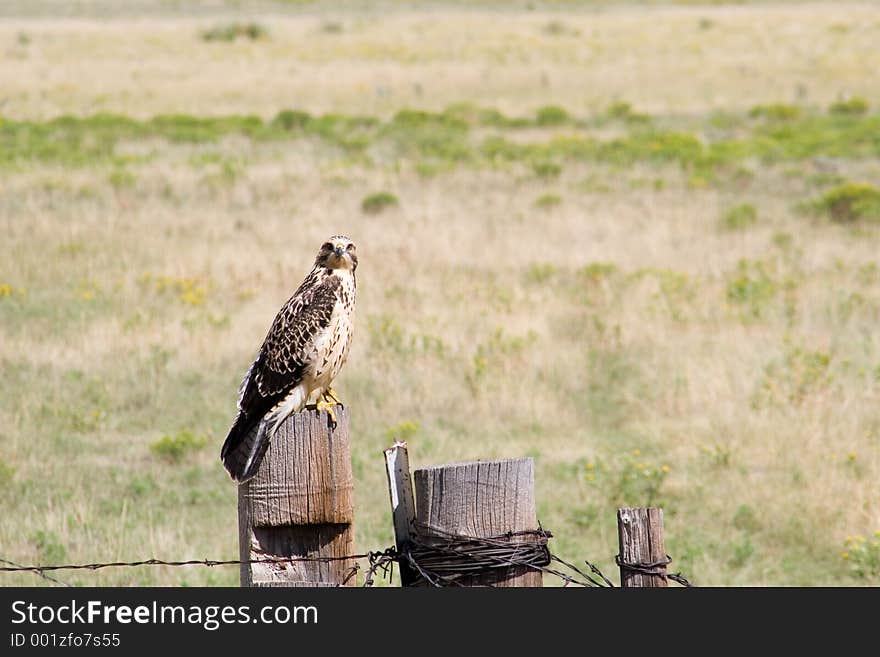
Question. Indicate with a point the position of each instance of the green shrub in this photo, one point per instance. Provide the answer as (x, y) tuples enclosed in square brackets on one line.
[(291, 120), (427, 134), (387, 335), (540, 272), (51, 550), (501, 149), (742, 550), (684, 148), (485, 116), (546, 169), (849, 202), (586, 516), (782, 240), (597, 271), (739, 217), (746, 519), (7, 472), (752, 287), (623, 111), (850, 107), (558, 28), (332, 27), (863, 555), (192, 129), (791, 379), (404, 431), (775, 112), (377, 202), (121, 178), (175, 448), (547, 201), (233, 31), (500, 350), (495, 119), (351, 133), (551, 115), (142, 486), (626, 478)]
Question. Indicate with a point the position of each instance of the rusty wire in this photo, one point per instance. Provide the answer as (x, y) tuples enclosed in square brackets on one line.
[(439, 558), (653, 569), (381, 561), (18, 566), (40, 569), (442, 558)]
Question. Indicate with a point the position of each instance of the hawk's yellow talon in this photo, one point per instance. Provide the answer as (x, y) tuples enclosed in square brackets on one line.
[(324, 405), (332, 415), (331, 394)]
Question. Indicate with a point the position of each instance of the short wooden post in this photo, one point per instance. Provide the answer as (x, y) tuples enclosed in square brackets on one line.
[(640, 533), (403, 508), (300, 504), (486, 499)]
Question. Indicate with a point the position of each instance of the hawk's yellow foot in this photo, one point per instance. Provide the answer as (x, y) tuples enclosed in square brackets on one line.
[(324, 405), (330, 393)]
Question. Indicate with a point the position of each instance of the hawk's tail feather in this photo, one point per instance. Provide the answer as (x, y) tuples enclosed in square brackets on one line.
[(244, 448), (248, 438)]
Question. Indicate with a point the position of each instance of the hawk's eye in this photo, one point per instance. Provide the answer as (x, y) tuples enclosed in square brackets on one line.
[(350, 247), (327, 247)]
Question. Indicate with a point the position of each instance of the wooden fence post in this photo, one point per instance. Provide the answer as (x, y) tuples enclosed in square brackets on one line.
[(403, 508), (640, 533), (484, 499), (300, 504)]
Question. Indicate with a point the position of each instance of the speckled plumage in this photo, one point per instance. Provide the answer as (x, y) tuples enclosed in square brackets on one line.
[(304, 350)]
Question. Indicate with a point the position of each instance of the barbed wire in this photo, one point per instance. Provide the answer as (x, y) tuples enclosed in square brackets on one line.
[(41, 569), (17, 566), (680, 579), (438, 558), (443, 558), (653, 569)]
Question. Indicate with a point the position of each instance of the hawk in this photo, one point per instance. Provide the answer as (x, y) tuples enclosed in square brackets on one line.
[(303, 352)]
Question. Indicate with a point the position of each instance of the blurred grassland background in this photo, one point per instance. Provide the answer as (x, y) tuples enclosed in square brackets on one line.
[(637, 241)]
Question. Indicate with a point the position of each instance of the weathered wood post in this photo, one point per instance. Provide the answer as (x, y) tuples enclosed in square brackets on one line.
[(403, 508), (486, 499), (300, 504), (640, 534)]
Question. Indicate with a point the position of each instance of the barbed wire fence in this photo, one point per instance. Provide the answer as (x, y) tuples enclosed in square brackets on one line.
[(428, 549), (13, 567), (444, 560)]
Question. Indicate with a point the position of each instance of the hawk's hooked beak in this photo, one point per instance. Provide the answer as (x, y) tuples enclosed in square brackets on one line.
[(339, 251)]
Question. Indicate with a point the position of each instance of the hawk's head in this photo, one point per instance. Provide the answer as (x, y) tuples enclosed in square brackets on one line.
[(338, 252)]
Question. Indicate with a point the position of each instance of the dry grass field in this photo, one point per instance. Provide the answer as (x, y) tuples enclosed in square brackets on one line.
[(637, 242)]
